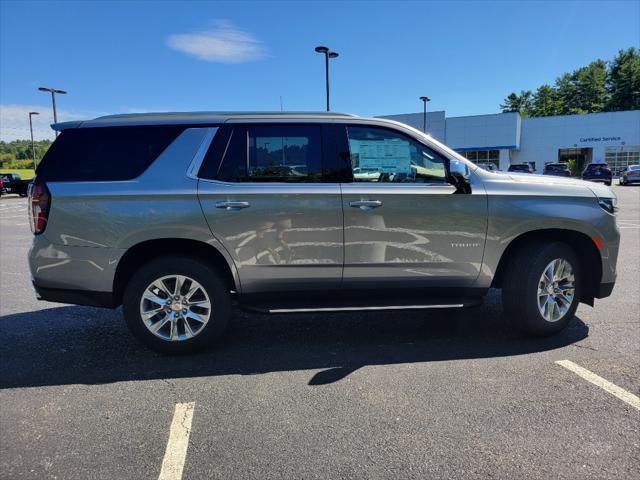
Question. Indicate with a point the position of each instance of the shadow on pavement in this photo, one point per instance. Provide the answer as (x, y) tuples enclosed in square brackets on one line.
[(82, 345)]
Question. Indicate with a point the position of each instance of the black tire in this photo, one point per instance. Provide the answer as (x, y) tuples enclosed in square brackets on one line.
[(620, 182), (208, 278), (520, 287), (609, 183)]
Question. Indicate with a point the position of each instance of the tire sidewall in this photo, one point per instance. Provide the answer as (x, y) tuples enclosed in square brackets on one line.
[(203, 274)]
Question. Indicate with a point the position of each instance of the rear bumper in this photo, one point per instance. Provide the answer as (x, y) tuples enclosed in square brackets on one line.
[(598, 179), (76, 297)]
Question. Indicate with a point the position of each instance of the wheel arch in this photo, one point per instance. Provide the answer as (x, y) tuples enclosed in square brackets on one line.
[(588, 255), (143, 252)]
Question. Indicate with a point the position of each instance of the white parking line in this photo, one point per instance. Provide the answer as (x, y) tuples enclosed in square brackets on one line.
[(606, 385), (176, 452)]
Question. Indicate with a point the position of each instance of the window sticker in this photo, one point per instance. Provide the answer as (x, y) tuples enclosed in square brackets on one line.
[(386, 156)]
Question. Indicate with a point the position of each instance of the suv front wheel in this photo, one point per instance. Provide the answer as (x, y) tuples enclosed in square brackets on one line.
[(541, 288), (176, 305)]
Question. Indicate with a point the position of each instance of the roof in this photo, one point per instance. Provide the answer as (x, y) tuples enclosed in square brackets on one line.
[(192, 118)]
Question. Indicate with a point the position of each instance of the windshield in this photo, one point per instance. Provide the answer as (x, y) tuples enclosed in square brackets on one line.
[(634, 167)]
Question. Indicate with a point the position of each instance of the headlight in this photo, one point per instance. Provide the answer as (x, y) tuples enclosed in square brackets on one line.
[(610, 205)]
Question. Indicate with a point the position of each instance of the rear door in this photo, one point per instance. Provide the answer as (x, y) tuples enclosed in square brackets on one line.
[(404, 223), (269, 197)]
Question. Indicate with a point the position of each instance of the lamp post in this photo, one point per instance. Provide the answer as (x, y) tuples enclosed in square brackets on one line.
[(33, 148), (424, 113), (327, 55), (53, 92)]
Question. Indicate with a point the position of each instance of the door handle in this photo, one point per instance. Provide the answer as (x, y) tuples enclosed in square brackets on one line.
[(366, 205), (232, 206)]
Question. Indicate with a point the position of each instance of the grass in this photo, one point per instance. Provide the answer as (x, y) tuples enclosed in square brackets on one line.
[(25, 173)]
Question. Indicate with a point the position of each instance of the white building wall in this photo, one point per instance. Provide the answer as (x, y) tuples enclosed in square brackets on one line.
[(435, 122), (542, 137), (484, 132)]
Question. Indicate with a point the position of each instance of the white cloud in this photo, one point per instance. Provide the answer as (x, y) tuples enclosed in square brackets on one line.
[(223, 44), (14, 121)]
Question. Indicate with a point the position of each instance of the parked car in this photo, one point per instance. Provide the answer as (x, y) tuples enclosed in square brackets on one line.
[(557, 170), (520, 168), (2, 189), (597, 172), (163, 214), (14, 184), (629, 174), (489, 167)]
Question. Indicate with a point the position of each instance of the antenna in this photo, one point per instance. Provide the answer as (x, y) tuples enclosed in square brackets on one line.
[(281, 109)]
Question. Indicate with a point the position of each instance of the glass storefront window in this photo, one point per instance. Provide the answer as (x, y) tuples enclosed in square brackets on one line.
[(620, 157), (483, 156)]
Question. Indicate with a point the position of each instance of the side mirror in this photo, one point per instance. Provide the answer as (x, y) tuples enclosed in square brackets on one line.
[(460, 182), (458, 176)]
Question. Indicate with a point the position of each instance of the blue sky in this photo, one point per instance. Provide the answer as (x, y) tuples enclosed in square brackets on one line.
[(122, 56)]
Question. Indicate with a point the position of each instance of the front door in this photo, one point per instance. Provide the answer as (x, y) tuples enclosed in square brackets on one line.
[(268, 201), (404, 223)]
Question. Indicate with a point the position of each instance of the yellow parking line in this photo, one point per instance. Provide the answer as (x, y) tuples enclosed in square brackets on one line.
[(176, 452), (606, 385)]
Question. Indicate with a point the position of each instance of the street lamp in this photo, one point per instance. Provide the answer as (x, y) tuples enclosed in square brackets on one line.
[(33, 148), (53, 101), (424, 113), (327, 55)]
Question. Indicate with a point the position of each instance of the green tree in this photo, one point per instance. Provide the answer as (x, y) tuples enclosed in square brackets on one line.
[(546, 102), (624, 81), (522, 103)]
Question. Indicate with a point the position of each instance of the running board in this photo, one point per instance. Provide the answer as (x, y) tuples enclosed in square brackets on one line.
[(345, 306)]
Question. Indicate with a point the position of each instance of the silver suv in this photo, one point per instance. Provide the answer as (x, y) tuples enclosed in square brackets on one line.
[(174, 216)]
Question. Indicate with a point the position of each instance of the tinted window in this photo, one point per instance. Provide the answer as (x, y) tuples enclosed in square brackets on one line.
[(273, 153), (105, 153), (381, 155)]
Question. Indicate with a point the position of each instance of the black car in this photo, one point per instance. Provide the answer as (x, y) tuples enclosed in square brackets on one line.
[(14, 184), (557, 170), (629, 174), (597, 172), (520, 168)]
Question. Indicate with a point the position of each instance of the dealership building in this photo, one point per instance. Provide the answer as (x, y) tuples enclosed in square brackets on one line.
[(507, 138)]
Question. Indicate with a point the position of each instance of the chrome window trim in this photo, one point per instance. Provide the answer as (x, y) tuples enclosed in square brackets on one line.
[(198, 158)]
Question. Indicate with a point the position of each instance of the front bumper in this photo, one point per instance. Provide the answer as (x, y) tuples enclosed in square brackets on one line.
[(605, 290)]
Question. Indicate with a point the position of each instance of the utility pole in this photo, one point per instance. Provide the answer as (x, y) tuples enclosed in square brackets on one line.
[(327, 55), (424, 113), (33, 148), (53, 92)]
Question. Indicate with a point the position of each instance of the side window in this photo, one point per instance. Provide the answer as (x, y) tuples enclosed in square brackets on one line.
[(273, 153), (381, 155), (105, 153)]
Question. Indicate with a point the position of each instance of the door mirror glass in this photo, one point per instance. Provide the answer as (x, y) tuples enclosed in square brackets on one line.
[(458, 168)]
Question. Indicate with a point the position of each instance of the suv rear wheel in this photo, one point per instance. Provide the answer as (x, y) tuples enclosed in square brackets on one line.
[(541, 288), (176, 305)]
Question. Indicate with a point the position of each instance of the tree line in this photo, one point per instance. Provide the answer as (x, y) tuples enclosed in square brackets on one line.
[(599, 87), (17, 153)]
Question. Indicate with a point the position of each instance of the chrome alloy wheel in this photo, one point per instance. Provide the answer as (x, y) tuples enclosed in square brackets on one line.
[(175, 308), (556, 289)]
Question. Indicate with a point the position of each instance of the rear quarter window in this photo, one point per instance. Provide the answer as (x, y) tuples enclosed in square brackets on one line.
[(105, 153)]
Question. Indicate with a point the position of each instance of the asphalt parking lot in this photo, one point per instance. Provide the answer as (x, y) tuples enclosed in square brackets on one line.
[(375, 395)]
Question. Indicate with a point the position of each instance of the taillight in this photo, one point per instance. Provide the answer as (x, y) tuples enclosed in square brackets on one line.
[(39, 203)]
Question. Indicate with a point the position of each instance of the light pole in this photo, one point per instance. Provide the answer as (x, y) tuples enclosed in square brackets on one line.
[(327, 55), (424, 113), (53, 101), (33, 148)]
